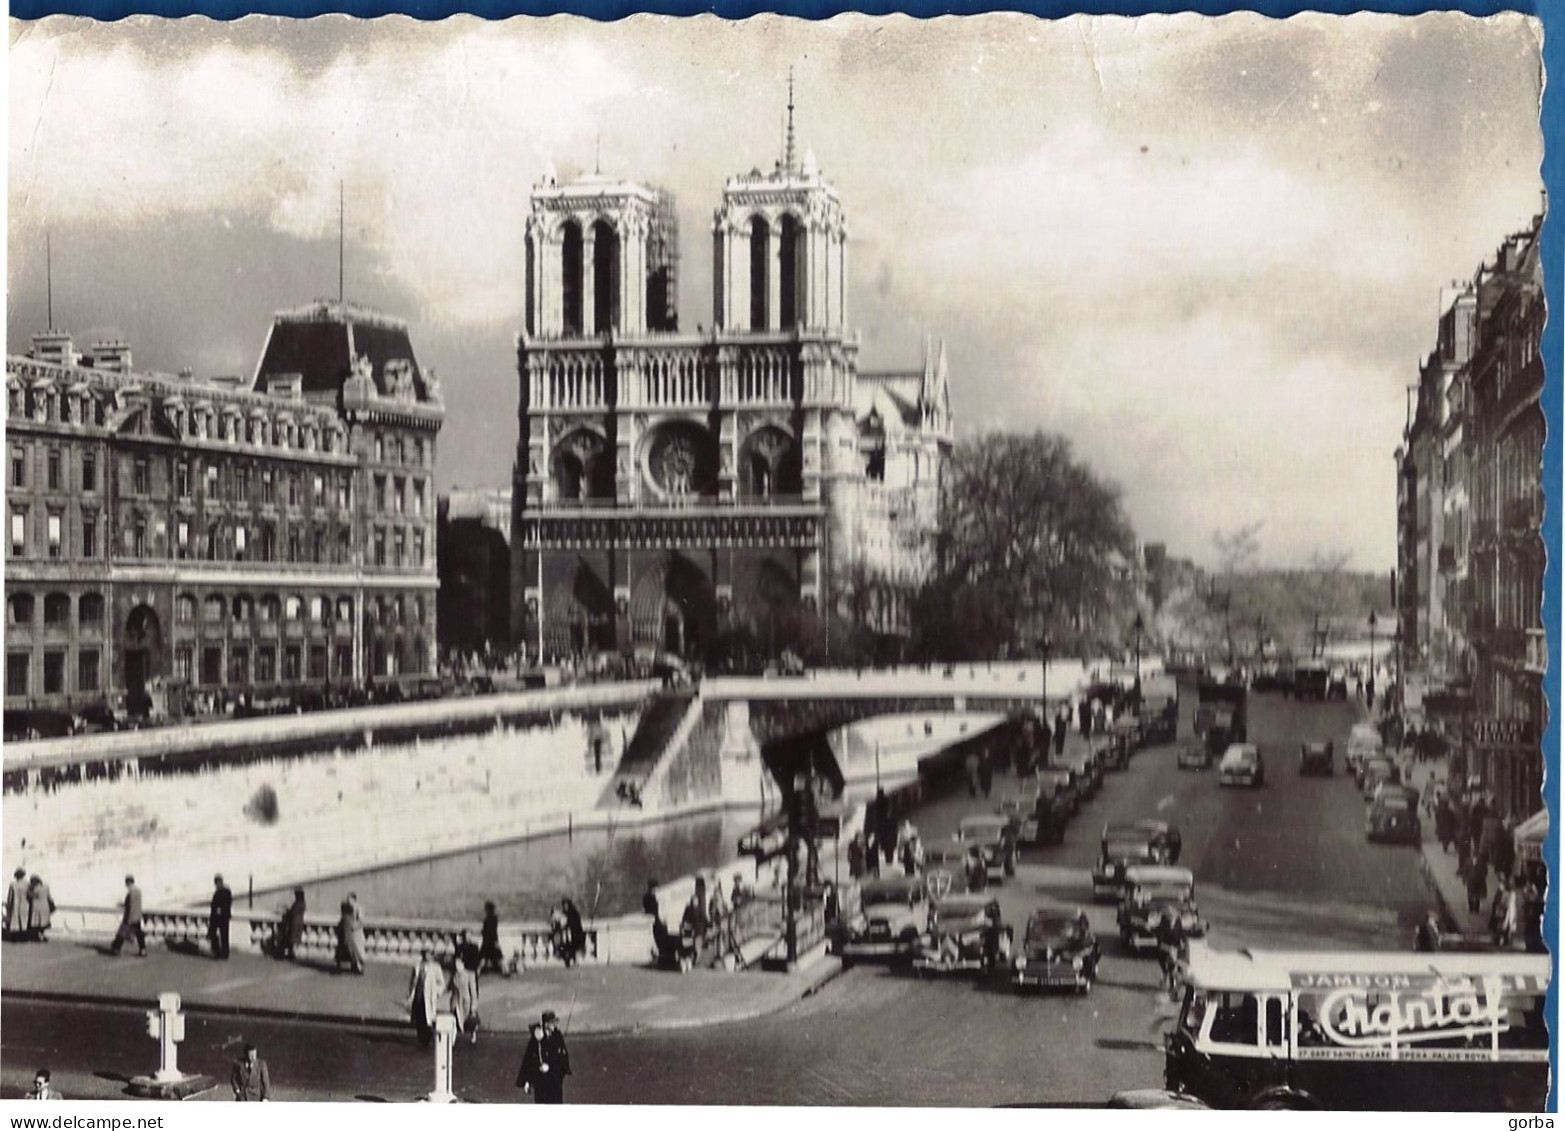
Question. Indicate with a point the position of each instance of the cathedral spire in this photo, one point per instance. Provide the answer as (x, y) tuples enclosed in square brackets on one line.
[(788, 160)]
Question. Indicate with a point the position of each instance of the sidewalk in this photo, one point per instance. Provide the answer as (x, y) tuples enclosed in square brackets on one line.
[(589, 999), (1439, 867)]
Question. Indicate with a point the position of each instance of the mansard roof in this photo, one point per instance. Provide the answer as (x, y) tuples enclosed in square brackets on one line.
[(319, 343)]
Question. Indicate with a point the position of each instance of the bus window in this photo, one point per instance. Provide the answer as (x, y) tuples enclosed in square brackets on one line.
[(1235, 1022), (1276, 1035), (1194, 1012)]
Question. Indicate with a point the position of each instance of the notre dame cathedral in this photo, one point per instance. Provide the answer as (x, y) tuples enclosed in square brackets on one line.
[(674, 489)]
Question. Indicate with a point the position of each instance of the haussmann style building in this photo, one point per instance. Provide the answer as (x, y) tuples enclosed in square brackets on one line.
[(673, 489), (176, 544)]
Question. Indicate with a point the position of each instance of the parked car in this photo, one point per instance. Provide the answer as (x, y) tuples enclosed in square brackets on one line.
[(1062, 786), (995, 838), (1242, 765), (1194, 756), (1126, 849), (1337, 685), (97, 719), (1056, 951), (27, 725), (954, 939), (1393, 816), (891, 915), (1317, 758), (1364, 743), (1089, 774)]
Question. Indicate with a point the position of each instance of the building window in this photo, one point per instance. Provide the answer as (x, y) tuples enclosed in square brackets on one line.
[(89, 610), (182, 479), (268, 487), (141, 483), (240, 541), (214, 539), (54, 470), (183, 663), (18, 467), (139, 538), (18, 531), (380, 493), (89, 471), (318, 662), (56, 522), (318, 545), (54, 673), (344, 546), (89, 536), (87, 670), (56, 610), (268, 542), (399, 544), (293, 490), (291, 664), (344, 491), (418, 450), (380, 449), (270, 609), (266, 664), (293, 608), (212, 665), (380, 547), (398, 492), (318, 490), (418, 548), (214, 609), (211, 481), (418, 610), (19, 610), (185, 608), (320, 609), (293, 545), (238, 665), (418, 498), (342, 662), (16, 672), (242, 483), (182, 536)]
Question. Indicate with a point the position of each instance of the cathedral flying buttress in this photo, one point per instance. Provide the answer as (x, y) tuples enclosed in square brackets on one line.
[(708, 494)]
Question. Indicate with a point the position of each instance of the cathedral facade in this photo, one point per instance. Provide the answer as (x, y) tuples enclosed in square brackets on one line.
[(673, 489)]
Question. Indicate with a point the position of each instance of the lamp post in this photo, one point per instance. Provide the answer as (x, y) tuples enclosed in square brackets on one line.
[(1044, 644), (1140, 627), (1370, 682)]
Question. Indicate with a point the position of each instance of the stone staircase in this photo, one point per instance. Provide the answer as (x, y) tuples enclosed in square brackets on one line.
[(660, 721)]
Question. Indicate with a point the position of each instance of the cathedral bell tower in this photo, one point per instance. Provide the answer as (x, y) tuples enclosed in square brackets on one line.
[(780, 250)]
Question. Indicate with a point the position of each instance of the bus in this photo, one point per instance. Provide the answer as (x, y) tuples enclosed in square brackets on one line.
[(1362, 1032)]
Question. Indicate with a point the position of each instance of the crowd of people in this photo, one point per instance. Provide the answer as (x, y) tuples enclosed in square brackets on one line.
[(709, 933), (29, 908)]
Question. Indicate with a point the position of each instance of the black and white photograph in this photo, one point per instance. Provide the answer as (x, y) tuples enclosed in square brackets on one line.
[(876, 562)]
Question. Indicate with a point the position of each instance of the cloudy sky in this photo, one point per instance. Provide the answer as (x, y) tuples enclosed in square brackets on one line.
[(1209, 251)]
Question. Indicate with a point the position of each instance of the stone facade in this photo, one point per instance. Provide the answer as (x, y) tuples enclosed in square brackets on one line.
[(670, 488), (220, 539)]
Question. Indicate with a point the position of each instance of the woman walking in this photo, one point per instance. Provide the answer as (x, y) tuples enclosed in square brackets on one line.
[(350, 935), (464, 991)]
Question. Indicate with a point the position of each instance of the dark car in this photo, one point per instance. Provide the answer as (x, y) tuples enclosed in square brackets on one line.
[(1056, 951), (24, 725), (97, 719), (956, 935), (1149, 893), (1317, 758), (1127, 844), (1393, 816), (1061, 785), (995, 837)]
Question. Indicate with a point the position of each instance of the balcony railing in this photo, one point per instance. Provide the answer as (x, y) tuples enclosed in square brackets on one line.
[(672, 503), (1537, 660)]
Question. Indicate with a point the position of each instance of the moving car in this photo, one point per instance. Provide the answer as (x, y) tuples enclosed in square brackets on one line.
[(1056, 950), (1122, 850), (1241, 765), (1149, 892), (1088, 771), (1376, 772), (1317, 758), (1061, 785), (1393, 815), (995, 837), (1364, 742), (954, 939), (891, 916), (1194, 756)]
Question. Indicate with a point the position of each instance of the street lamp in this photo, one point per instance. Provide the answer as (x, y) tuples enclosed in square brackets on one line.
[(1140, 627), (1370, 682), (1044, 645)]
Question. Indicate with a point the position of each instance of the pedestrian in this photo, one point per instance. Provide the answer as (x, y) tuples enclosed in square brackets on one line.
[(1170, 940), (16, 906), (985, 774), (250, 1080), (1477, 885), (535, 1076), (464, 988), (557, 1056), (40, 910), (1503, 854), (649, 901), (425, 990), (856, 857), (1499, 913), (43, 1087), (717, 908), (993, 928), (972, 774), (490, 956), (219, 917), (1084, 715), (1369, 692), (130, 921), (575, 934), (1427, 938), (290, 931), (350, 935), (1445, 822), (1062, 724), (738, 895)]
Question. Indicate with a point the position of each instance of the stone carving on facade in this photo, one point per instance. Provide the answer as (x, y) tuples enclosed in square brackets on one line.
[(399, 379)]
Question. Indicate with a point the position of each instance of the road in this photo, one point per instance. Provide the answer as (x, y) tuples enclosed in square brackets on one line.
[(1281, 866)]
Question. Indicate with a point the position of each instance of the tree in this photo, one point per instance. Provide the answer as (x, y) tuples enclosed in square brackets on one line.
[(1236, 552), (1032, 545)]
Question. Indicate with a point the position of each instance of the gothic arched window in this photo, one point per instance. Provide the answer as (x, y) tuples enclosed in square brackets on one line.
[(760, 260)]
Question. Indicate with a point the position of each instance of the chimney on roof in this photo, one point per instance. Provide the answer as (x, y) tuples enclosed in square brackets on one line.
[(112, 356), (55, 347), (187, 374), (286, 386)]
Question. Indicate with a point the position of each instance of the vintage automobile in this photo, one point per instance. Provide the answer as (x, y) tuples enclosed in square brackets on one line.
[(1364, 743), (955, 936), (1148, 893), (1088, 771), (1063, 789), (1124, 741), (1393, 815), (1317, 758), (1194, 756), (995, 836), (892, 914), (1056, 950), (1337, 685), (1241, 765), (1375, 772), (1128, 844)]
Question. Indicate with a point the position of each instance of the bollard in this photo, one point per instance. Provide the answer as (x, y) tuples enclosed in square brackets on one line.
[(445, 1039), (167, 1024)]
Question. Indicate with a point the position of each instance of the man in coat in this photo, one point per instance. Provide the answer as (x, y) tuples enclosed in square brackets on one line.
[(130, 921), (218, 918), (534, 1072), (1061, 725), (40, 909), (16, 905), (250, 1080), (558, 1058), (491, 957), (425, 992), (291, 932)]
